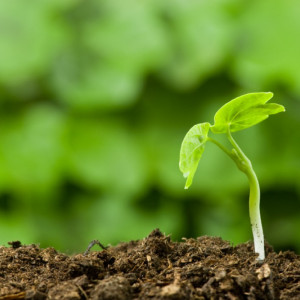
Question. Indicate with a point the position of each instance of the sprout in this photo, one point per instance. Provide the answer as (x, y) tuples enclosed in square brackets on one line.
[(237, 114)]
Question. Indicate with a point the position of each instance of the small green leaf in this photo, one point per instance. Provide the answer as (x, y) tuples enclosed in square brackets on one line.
[(191, 151), (245, 111)]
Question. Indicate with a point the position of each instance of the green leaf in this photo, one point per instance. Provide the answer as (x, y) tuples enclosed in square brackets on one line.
[(30, 26), (245, 111), (191, 151)]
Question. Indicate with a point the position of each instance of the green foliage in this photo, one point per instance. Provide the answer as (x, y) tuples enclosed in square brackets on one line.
[(256, 65), (244, 112), (26, 139), (195, 49), (191, 150), (237, 114), (124, 43), (30, 38), (95, 95)]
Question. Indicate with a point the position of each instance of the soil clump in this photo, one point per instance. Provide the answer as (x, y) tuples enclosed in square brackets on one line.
[(152, 268)]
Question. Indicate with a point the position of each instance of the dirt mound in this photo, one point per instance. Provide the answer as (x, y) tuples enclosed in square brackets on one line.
[(152, 268)]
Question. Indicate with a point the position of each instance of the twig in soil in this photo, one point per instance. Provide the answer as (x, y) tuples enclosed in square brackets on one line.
[(82, 291), (92, 244), (20, 295)]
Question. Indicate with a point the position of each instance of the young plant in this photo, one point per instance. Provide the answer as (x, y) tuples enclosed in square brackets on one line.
[(237, 114)]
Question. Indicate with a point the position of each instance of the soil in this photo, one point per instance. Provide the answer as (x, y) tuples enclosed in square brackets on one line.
[(152, 268)]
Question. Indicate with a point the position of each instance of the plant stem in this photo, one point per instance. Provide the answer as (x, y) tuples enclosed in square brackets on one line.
[(245, 166), (254, 199), (220, 146)]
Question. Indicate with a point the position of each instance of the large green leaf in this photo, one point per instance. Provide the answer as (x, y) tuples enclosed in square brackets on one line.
[(254, 65), (32, 35), (118, 47), (32, 150), (96, 161), (245, 111), (191, 151), (197, 50)]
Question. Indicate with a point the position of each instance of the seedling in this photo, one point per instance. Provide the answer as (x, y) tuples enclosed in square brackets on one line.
[(237, 114)]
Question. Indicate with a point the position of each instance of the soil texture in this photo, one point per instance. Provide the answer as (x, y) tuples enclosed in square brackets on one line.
[(152, 268)]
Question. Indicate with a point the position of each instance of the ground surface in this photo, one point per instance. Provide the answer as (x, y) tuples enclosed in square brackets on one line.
[(152, 268)]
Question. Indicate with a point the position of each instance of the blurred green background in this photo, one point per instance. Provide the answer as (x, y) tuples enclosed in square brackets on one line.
[(96, 97)]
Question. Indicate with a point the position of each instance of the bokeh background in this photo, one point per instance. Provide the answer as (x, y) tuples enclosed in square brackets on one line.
[(96, 97)]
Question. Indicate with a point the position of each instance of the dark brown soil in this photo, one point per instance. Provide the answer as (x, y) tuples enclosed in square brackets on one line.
[(152, 268)]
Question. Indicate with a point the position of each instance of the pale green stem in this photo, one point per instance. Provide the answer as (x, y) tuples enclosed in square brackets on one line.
[(244, 165), (220, 146), (254, 199)]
